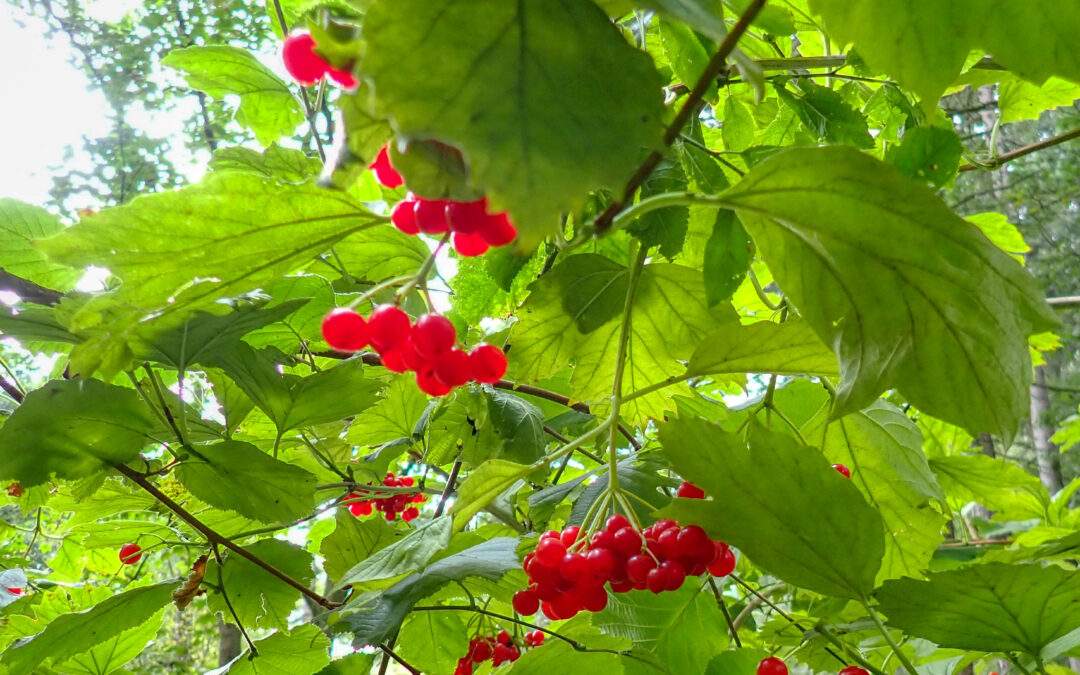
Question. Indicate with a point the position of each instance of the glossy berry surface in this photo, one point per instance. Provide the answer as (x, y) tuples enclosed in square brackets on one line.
[(388, 326), (772, 666), (384, 171), (130, 554), (688, 490), (526, 603), (467, 217), (723, 563), (488, 363), (854, 670), (453, 368), (843, 470), (403, 216), (469, 245), (301, 61), (433, 335), (345, 330), (431, 216)]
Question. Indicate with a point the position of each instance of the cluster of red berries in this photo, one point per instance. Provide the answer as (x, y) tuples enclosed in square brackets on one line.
[(390, 506), (130, 554), (15, 490), (568, 574), (307, 67), (775, 666), (474, 229), (499, 650), (426, 347)]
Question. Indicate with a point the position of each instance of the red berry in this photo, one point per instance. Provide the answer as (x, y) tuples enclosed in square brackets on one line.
[(469, 245), (467, 217), (656, 580), (431, 216), (724, 562), (535, 638), (130, 554), (594, 599), (384, 171), (345, 330), (488, 363), (694, 546), (464, 667), (688, 490), (674, 574), (503, 638), (842, 470), (622, 586), (433, 335), (303, 64), (413, 359), (602, 564), (480, 651), (661, 525), (407, 481), (358, 509), (549, 610), (854, 670), (431, 385), (567, 605), (772, 666), (403, 217), (616, 523), (550, 552), (574, 566), (569, 535), (498, 230), (388, 327), (668, 543), (627, 541), (344, 77), (394, 361), (15, 590), (502, 654), (526, 603), (410, 514), (638, 567)]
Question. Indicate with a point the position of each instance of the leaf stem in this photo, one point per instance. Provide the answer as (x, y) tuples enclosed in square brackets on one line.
[(888, 638), (620, 365), (727, 613), (449, 488), (254, 651)]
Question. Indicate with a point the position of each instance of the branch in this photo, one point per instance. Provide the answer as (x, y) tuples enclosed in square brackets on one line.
[(308, 108), (11, 390), (689, 109), (28, 290), (1064, 301), (1000, 160), (215, 538), (450, 481)]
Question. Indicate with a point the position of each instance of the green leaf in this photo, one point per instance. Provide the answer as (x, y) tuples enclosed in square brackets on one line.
[(357, 663), (698, 14), (664, 228), (789, 348), (989, 608), (683, 629), (301, 651), (375, 617), (405, 555), (433, 170), (34, 323), (728, 253), (267, 107), (352, 541), (685, 52), (500, 96), (997, 484), (738, 129), (72, 429), (276, 163), (826, 115), (924, 45), (780, 503), (111, 656), (519, 426), (434, 641), (181, 250), (71, 634), (392, 418), (20, 225), (736, 661), (260, 598), (365, 132), (882, 447), (908, 294), (644, 478), (571, 317), (1004, 234), (483, 485), (928, 153), (239, 477), (379, 253)]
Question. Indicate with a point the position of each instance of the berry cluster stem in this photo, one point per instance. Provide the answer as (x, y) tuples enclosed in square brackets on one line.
[(888, 638), (638, 265)]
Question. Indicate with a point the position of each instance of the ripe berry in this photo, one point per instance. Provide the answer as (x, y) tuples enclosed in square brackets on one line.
[(467, 217), (431, 216), (388, 326), (412, 359), (668, 543), (503, 638), (130, 554), (569, 535), (627, 541), (303, 64), (403, 216), (526, 603), (343, 77), (384, 171), (410, 514), (469, 245), (694, 546), (480, 650), (602, 563), (674, 574), (534, 638), (656, 580), (464, 667), (433, 335), (498, 230), (855, 670), (772, 666), (724, 562), (638, 567), (550, 552), (358, 509), (345, 330), (502, 654), (842, 470), (15, 590), (594, 598), (688, 490), (431, 385), (488, 363), (575, 567), (616, 523)]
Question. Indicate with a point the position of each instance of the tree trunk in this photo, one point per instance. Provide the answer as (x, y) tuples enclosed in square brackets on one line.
[(1046, 453), (228, 642)]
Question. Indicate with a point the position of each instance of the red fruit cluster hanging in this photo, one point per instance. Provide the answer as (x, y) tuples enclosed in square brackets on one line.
[(307, 67), (568, 574), (499, 650), (390, 506), (426, 348), (130, 554), (474, 229)]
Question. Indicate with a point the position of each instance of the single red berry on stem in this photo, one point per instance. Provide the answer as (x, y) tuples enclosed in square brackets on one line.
[(688, 490), (504, 638), (488, 363), (842, 470), (303, 64), (394, 361), (723, 563), (343, 76), (431, 385), (497, 230), (627, 541), (453, 368), (550, 552), (616, 523), (130, 554), (363, 508), (638, 567), (384, 171), (480, 651), (469, 245), (388, 327), (345, 330), (772, 666), (410, 514), (403, 216), (431, 216), (433, 335), (526, 603), (467, 217), (854, 670), (569, 535)]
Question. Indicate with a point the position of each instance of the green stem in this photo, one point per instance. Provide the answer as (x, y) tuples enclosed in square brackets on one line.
[(421, 274), (620, 366), (662, 201), (888, 638)]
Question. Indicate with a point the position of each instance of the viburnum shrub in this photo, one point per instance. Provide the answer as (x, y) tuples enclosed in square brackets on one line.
[(503, 337)]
